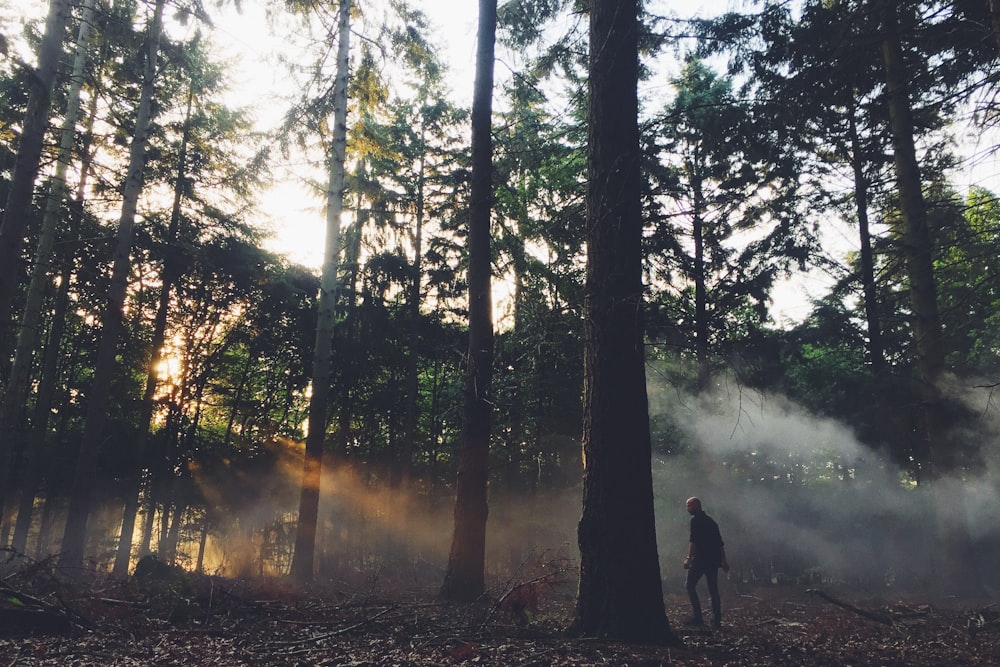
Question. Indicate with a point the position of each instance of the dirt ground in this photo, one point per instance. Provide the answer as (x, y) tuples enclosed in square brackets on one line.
[(180, 619)]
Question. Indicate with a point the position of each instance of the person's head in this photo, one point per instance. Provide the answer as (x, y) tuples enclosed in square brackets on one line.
[(693, 505)]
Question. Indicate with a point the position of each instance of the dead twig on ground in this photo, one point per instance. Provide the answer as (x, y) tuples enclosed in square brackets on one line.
[(341, 631), (878, 618)]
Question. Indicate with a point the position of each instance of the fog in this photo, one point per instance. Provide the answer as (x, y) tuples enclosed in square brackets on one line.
[(799, 500)]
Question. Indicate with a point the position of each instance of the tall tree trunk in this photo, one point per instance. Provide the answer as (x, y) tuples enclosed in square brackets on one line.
[(74, 536), (957, 574), (22, 186), (412, 398), (30, 331), (620, 595), (168, 548), (199, 566), (700, 290), (149, 518), (169, 275), (917, 248), (876, 350), (465, 576), (303, 560), (49, 376)]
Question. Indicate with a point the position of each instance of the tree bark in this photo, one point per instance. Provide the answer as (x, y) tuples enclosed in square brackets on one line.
[(30, 327), (701, 324), (49, 375), (954, 557), (918, 249), (303, 559), (620, 595), (465, 577), (22, 187), (74, 536), (412, 407), (30, 331), (876, 350)]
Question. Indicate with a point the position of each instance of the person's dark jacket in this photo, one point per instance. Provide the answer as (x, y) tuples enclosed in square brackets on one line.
[(707, 540)]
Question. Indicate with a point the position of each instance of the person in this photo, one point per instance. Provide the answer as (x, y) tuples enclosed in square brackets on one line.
[(706, 554)]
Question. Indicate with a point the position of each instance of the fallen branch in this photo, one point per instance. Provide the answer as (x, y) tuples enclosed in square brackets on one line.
[(340, 631), (513, 588), (878, 618)]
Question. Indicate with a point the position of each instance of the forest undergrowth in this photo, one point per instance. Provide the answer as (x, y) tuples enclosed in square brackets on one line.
[(165, 616)]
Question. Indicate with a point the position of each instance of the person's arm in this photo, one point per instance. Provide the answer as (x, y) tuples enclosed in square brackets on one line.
[(690, 556), (724, 564)]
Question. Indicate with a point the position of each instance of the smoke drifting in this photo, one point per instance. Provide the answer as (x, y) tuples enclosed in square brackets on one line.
[(800, 500)]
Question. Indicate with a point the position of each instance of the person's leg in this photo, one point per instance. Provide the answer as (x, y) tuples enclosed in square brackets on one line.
[(712, 578), (694, 574)]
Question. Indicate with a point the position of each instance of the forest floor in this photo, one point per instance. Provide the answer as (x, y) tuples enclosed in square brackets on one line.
[(179, 619)]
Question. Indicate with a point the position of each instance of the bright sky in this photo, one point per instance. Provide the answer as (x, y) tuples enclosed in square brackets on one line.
[(298, 219)]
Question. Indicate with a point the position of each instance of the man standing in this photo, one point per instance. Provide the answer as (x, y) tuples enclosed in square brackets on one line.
[(706, 554)]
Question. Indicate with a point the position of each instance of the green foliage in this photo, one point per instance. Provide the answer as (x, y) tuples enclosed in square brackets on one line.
[(968, 286)]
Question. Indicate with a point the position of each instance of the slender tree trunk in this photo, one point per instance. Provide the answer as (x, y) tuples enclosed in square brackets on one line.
[(303, 560), (42, 550), (169, 275), (74, 537), (876, 351), (202, 542), (30, 332), (149, 519), (620, 595), (516, 414), (465, 576), (49, 377), (18, 207), (29, 154), (700, 280), (169, 548), (412, 408)]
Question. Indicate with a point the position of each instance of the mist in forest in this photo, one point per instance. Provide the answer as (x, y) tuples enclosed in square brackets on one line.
[(801, 501), (373, 531)]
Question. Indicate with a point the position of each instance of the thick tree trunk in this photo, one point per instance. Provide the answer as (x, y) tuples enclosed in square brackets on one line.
[(620, 595), (74, 537), (464, 578), (303, 560), (957, 575), (918, 249)]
